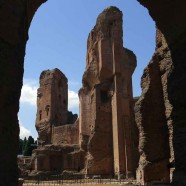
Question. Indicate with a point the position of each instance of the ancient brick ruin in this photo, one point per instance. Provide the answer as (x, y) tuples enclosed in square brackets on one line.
[(52, 108), (57, 127), (106, 101), (162, 130), (52, 101), (156, 129), (101, 140), (170, 18)]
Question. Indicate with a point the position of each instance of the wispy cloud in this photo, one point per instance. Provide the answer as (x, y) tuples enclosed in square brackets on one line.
[(29, 95), (24, 132), (73, 99)]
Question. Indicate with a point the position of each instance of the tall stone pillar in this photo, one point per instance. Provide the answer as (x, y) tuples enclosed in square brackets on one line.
[(123, 146), (52, 104), (106, 97)]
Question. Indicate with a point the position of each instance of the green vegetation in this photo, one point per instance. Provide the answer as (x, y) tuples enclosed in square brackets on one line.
[(71, 117), (26, 146)]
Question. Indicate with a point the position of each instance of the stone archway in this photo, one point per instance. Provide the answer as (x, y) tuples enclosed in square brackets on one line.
[(15, 19)]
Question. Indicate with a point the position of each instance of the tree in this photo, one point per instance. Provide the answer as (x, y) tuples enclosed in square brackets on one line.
[(20, 151), (26, 146), (29, 146), (23, 146)]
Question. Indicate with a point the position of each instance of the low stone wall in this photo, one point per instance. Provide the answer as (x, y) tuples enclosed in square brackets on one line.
[(66, 134)]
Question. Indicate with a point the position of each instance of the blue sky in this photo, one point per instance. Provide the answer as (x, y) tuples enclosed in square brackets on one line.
[(58, 39)]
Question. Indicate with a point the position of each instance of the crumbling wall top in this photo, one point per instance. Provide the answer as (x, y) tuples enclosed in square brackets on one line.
[(51, 74)]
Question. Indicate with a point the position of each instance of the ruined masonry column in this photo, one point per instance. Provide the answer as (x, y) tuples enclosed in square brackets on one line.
[(118, 133)]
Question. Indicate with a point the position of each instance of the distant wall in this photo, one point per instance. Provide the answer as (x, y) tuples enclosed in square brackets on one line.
[(66, 134)]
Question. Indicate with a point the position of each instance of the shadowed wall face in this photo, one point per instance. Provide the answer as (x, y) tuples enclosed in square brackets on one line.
[(170, 18), (151, 119), (15, 18)]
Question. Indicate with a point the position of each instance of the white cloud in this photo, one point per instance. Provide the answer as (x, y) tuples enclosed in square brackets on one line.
[(73, 99), (23, 131), (29, 94)]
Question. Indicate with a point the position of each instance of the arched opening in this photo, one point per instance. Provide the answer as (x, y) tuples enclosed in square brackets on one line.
[(171, 35), (52, 48), (124, 23), (57, 42)]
